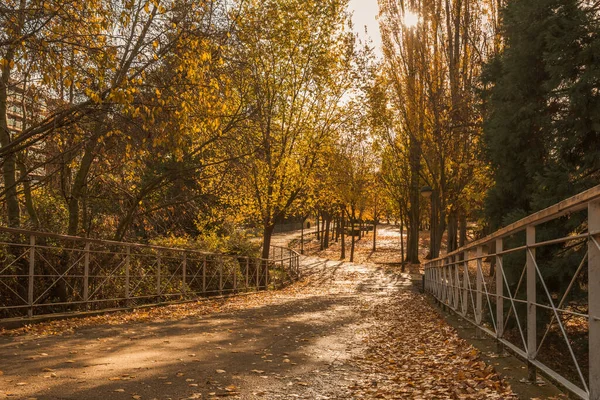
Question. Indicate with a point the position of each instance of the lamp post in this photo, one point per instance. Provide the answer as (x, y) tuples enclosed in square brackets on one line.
[(427, 192)]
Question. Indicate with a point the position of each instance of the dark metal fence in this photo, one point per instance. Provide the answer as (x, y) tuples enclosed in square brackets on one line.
[(44, 273)]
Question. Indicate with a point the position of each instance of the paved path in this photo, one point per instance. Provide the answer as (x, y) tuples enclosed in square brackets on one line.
[(294, 346)]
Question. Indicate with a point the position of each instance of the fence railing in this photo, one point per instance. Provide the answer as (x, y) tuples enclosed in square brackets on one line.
[(535, 286), (44, 273)]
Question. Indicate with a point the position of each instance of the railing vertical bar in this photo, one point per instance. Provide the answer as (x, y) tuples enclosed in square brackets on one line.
[(127, 273), (594, 300), (267, 275), (158, 288), (204, 275), (235, 270), (465, 292), (258, 264), (247, 271), (456, 283), (444, 296), (184, 274), (220, 275), (31, 281), (499, 291), (86, 274), (531, 304), (479, 287)]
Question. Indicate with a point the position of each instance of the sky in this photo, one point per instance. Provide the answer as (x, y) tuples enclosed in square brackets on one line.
[(365, 13)]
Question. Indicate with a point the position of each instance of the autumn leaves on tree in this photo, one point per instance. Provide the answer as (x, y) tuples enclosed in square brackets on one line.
[(154, 119), (161, 118)]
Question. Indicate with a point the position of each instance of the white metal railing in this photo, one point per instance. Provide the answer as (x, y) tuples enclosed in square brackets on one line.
[(501, 285), (44, 273)]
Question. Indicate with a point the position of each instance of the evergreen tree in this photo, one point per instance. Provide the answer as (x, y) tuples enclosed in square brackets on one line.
[(542, 128)]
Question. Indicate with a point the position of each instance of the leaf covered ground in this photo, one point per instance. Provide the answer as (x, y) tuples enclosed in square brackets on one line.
[(413, 353), (346, 331)]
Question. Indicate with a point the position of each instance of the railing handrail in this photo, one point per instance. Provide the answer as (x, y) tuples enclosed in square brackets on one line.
[(454, 280), (572, 204), (50, 235)]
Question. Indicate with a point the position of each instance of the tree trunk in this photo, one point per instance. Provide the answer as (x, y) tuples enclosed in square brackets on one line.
[(374, 235), (268, 229), (318, 232), (343, 233), (352, 236), (333, 227), (462, 238), (302, 236), (326, 235), (402, 241), (412, 251), (9, 160), (441, 227), (80, 182), (30, 207), (323, 233), (452, 231)]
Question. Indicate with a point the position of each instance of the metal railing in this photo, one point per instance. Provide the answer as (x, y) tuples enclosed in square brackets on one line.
[(533, 292), (43, 273)]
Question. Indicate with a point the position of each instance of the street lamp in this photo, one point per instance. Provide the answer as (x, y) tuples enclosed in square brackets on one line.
[(426, 191)]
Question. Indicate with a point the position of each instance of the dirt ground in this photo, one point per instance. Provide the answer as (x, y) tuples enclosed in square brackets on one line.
[(345, 331)]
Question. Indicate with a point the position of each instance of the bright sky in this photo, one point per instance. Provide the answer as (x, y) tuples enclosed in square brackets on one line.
[(365, 13)]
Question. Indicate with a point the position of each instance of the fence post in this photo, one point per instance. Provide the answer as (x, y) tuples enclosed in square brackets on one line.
[(443, 297), (235, 270), (531, 300), (158, 289), (499, 296), (465, 294), (86, 275), (479, 288), (204, 275), (258, 264), (594, 299), (267, 275), (31, 275), (184, 274), (220, 275), (247, 271), (456, 281), (127, 272)]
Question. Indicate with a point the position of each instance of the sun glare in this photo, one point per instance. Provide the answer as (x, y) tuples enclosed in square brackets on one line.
[(411, 19)]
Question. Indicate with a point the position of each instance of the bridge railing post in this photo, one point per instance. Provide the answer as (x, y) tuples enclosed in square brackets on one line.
[(158, 283), (456, 281), (127, 274), (86, 275), (531, 303), (594, 298), (465, 282), (184, 275), (479, 287), (499, 295), (30, 288)]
